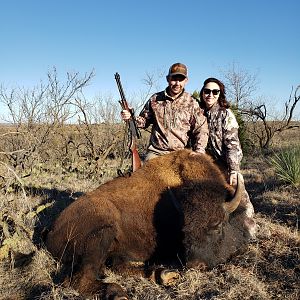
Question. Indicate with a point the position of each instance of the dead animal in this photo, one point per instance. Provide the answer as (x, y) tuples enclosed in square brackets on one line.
[(176, 207)]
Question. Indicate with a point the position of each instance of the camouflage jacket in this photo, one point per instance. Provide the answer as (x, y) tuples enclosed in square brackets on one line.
[(223, 142), (174, 121)]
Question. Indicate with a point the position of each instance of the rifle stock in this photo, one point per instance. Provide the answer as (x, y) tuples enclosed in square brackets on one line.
[(136, 161), (133, 129)]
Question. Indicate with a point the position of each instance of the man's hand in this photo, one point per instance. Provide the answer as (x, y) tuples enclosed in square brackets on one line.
[(125, 114)]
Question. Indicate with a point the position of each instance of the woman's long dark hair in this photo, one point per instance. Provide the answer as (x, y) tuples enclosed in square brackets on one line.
[(222, 97)]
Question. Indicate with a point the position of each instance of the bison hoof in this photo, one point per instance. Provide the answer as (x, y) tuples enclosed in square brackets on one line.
[(169, 278), (165, 277)]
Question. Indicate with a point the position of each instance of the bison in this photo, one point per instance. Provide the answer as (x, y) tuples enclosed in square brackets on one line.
[(176, 210)]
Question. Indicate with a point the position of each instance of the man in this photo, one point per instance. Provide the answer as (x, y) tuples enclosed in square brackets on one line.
[(175, 117)]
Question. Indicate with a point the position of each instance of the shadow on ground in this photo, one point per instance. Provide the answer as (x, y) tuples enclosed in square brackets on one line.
[(59, 199), (285, 211)]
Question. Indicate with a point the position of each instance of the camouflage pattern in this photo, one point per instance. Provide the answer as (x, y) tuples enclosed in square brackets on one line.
[(224, 143), (174, 121)]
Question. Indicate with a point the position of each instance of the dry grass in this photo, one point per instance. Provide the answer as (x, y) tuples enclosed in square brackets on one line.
[(269, 269)]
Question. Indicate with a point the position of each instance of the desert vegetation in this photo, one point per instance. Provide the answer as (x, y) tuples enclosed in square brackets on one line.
[(58, 145)]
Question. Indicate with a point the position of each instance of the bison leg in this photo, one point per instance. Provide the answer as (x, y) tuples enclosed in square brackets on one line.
[(88, 278), (159, 275)]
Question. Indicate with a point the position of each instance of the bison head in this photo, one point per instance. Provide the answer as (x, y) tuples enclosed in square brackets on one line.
[(211, 224)]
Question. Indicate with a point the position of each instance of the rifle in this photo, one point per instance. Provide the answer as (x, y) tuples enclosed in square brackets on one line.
[(133, 129)]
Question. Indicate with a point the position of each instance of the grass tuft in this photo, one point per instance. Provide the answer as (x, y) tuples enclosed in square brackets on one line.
[(287, 165)]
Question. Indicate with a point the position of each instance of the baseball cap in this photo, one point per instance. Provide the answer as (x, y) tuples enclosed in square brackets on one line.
[(178, 69)]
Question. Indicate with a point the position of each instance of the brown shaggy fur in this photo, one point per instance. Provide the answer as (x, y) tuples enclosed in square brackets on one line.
[(170, 207)]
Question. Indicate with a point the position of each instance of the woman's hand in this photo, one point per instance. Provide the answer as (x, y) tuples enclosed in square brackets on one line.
[(233, 178)]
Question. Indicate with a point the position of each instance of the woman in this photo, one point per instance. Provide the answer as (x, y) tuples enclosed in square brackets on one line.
[(223, 142)]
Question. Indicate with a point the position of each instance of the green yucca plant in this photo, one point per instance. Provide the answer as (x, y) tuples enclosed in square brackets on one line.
[(287, 165)]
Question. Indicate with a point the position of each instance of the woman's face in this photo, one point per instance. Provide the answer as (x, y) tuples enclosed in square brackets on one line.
[(211, 93)]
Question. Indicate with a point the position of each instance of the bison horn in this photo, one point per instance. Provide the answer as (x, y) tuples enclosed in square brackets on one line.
[(232, 205)]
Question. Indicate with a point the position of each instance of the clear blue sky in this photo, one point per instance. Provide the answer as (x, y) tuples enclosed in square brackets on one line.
[(135, 36)]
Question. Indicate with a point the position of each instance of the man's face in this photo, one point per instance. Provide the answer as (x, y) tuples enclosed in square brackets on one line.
[(176, 84)]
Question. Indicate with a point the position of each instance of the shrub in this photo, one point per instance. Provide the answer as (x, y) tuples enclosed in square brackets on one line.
[(246, 143), (287, 165)]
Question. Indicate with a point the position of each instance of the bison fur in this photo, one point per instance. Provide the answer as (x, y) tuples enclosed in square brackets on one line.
[(176, 209)]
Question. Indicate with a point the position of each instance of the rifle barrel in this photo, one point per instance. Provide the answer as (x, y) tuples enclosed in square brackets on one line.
[(131, 122), (133, 129), (123, 99)]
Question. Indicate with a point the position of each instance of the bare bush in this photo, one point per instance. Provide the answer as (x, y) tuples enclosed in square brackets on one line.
[(262, 128), (240, 84), (37, 115)]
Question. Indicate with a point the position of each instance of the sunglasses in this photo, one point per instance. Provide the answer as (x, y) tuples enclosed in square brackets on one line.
[(208, 91)]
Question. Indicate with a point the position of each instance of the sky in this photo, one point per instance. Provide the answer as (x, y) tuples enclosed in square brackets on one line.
[(135, 37)]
